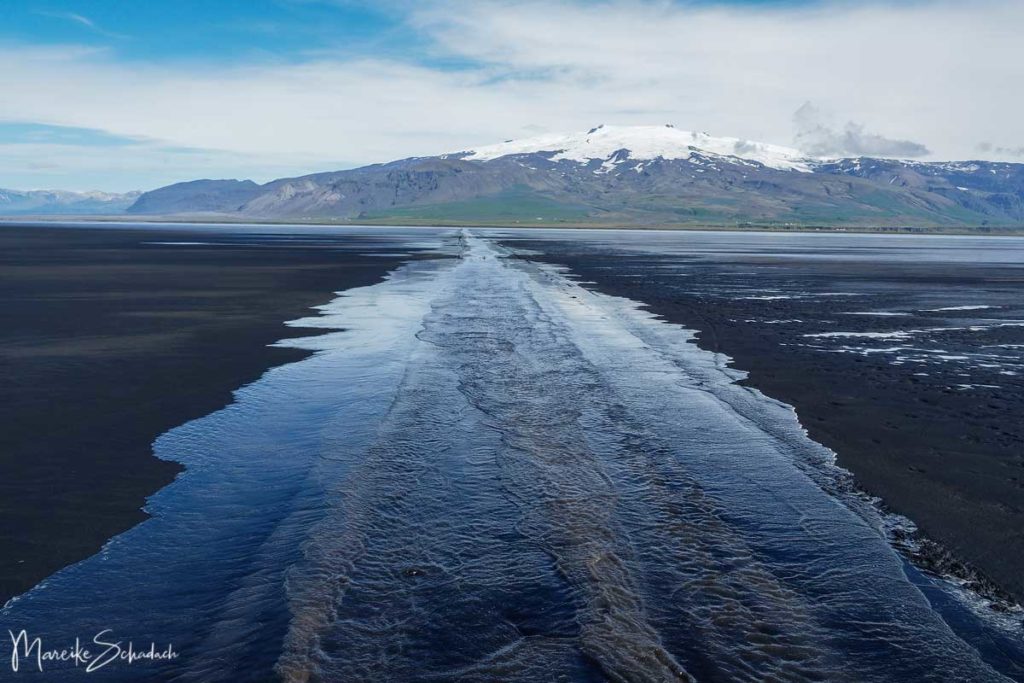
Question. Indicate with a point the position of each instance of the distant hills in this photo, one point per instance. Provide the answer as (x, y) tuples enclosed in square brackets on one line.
[(632, 176), (197, 196), (56, 202)]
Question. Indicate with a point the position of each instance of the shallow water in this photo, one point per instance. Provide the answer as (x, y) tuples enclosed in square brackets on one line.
[(493, 474)]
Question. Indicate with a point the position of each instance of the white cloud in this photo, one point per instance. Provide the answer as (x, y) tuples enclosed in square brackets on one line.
[(941, 73), (81, 20), (71, 16), (44, 165), (818, 136), (988, 149)]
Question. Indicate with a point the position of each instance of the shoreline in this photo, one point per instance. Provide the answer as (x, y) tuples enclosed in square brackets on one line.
[(950, 481), (109, 341), (230, 220), (766, 370)]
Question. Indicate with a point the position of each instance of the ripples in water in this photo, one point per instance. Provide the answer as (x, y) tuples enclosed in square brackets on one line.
[(492, 474)]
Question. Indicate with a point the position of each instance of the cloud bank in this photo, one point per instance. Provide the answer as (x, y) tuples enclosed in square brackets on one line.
[(927, 79), (988, 149), (815, 136)]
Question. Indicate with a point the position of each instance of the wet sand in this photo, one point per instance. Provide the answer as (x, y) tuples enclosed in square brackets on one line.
[(939, 442), (492, 474), (108, 339)]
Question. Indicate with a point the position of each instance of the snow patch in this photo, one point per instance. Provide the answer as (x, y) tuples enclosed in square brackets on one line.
[(645, 143)]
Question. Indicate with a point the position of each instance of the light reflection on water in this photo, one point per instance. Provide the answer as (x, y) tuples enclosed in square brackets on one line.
[(492, 474)]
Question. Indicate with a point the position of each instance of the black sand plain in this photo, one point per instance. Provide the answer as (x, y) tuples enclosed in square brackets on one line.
[(938, 434), (108, 338)]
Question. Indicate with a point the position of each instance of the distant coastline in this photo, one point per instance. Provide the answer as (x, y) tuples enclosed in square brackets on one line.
[(189, 327), (206, 219)]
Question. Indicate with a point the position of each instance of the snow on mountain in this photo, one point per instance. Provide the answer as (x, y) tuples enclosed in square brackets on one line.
[(642, 176), (644, 143)]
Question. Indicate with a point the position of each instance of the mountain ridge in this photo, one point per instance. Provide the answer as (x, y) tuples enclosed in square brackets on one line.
[(643, 143), (643, 176), (57, 202)]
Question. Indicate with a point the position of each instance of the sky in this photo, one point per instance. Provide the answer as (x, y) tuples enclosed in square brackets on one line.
[(118, 95)]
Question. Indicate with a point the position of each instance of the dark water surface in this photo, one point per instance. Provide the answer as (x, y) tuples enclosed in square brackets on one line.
[(904, 355), (490, 473)]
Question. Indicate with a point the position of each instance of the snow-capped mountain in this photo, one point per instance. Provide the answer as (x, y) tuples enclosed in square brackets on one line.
[(615, 175), (49, 202), (644, 143)]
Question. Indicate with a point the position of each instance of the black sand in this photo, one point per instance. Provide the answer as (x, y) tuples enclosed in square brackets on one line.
[(951, 459), (107, 340)]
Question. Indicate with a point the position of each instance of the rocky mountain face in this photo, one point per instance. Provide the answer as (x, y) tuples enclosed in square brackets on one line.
[(50, 202), (635, 176), (196, 196)]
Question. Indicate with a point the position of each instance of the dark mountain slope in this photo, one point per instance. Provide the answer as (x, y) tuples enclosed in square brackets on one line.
[(661, 180)]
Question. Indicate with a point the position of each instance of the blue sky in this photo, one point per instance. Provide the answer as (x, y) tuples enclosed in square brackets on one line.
[(229, 30), (220, 31), (117, 95)]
